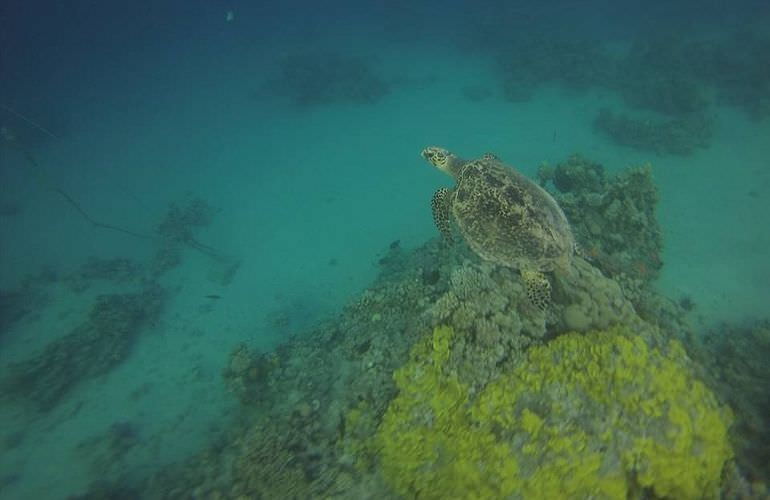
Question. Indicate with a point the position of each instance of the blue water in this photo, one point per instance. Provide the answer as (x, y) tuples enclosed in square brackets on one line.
[(144, 104)]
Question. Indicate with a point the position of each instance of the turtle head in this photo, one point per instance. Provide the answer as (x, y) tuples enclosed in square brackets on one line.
[(443, 160)]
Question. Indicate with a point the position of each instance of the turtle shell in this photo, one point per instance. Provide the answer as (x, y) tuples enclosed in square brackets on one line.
[(508, 219)]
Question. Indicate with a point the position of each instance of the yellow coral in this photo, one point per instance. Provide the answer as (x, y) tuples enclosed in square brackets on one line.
[(599, 415), (428, 448)]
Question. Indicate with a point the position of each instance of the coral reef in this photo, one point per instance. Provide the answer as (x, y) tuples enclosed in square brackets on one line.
[(103, 490), (615, 221), (735, 361), (307, 405), (489, 306), (668, 95), (117, 270), (656, 75), (736, 66), (312, 403), (107, 450), (676, 136), (741, 74), (13, 307), (526, 63), (31, 294), (652, 77), (599, 414), (313, 79), (89, 350), (486, 302), (672, 80), (614, 217), (247, 371), (441, 380), (328, 389), (177, 231)]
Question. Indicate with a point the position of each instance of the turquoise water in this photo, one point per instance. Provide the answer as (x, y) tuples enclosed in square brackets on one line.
[(143, 108)]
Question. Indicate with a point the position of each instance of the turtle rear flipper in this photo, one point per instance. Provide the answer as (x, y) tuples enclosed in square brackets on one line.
[(538, 288), (440, 204)]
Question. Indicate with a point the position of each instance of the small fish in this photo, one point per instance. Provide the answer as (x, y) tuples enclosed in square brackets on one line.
[(213, 297)]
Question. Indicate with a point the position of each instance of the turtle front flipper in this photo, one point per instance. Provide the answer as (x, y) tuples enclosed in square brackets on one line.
[(441, 210), (538, 288)]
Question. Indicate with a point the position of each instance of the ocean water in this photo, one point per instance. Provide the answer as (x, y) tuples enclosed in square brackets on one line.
[(298, 128)]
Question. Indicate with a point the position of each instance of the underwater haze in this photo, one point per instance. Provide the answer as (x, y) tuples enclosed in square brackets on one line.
[(224, 272)]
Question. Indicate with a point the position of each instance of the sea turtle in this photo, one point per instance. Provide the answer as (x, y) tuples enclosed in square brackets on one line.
[(505, 218)]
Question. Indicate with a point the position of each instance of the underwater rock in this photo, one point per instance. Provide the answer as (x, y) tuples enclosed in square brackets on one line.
[(93, 348)]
